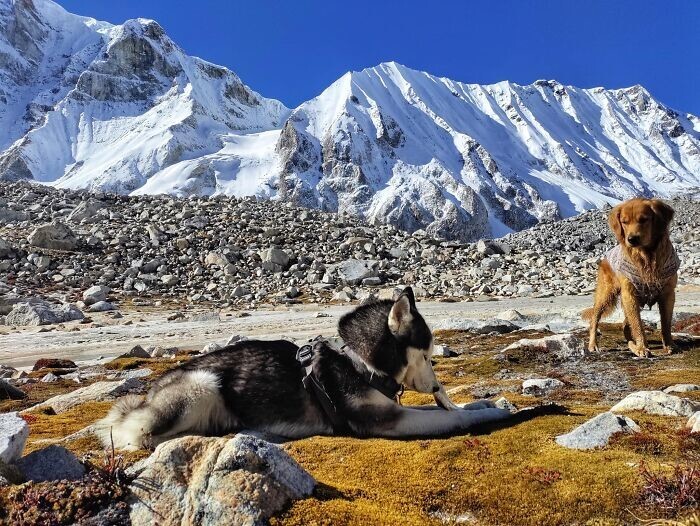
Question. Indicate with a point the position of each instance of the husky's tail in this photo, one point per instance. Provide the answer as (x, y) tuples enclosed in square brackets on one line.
[(181, 402)]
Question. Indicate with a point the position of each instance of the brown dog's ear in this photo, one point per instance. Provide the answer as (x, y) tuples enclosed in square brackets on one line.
[(663, 215), (615, 225)]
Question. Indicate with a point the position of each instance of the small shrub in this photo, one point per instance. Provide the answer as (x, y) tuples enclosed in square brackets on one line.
[(670, 493), (643, 442), (483, 453), (541, 475)]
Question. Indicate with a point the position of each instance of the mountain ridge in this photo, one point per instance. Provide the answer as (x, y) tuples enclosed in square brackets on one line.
[(130, 112)]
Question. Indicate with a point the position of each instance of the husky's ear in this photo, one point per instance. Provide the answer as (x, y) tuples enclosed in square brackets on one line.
[(400, 314), (408, 292)]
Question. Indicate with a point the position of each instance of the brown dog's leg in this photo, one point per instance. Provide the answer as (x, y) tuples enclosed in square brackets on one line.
[(630, 306), (606, 291), (667, 300), (626, 330)]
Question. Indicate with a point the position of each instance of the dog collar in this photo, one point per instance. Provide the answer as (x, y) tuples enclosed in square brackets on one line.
[(381, 382)]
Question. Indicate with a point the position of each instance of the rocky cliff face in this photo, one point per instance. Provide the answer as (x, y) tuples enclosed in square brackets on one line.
[(85, 104)]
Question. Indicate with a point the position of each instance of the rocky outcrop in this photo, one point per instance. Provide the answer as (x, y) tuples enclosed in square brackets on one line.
[(597, 431), (657, 403), (97, 392), (42, 313), (211, 481), (54, 236), (13, 435)]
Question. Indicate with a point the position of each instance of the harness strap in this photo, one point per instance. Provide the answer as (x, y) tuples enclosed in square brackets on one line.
[(313, 386)]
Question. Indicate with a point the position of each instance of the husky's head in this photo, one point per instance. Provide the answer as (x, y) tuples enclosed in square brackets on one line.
[(394, 339)]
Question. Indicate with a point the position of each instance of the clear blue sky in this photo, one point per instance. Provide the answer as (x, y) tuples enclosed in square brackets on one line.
[(291, 50)]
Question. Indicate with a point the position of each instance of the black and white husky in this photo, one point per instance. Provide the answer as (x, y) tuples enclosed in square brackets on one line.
[(275, 387)]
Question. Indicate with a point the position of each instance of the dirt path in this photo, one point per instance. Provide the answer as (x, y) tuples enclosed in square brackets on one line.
[(109, 337)]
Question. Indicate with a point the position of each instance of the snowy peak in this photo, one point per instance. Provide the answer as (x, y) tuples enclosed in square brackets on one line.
[(122, 108)]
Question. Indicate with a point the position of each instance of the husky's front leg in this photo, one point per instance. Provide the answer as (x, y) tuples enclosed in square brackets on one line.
[(443, 400), (412, 421)]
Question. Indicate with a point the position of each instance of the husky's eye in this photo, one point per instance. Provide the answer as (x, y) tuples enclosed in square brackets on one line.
[(433, 363)]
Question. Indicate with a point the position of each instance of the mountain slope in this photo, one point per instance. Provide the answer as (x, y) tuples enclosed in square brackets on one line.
[(466, 160), (86, 104), (109, 106)]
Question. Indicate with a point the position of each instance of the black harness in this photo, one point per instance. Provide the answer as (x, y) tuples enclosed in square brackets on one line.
[(382, 383)]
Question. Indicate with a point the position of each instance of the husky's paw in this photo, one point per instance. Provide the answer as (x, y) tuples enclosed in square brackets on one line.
[(479, 404)]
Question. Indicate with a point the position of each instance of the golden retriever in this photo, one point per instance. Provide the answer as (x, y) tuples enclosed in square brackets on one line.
[(641, 269)]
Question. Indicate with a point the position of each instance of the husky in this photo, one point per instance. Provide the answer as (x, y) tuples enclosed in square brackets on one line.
[(275, 387)]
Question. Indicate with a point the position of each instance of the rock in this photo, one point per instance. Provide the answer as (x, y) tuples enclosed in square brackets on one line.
[(443, 350), (49, 378), (13, 435), (510, 315), (211, 347), (235, 339), (51, 463), (216, 258), (95, 294), (6, 371), (597, 431), (489, 247), (86, 211), (169, 280), (130, 373), (342, 295), (210, 481), (478, 326), (101, 306), (353, 271), (563, 347), (136, 352), (53, 363), (657, 403), (5, 248), (694, 422), (541, 386), (42, 313), (274, 259), (53, 236), (504, 403), (97, 392), (682, 388), (10, 392)]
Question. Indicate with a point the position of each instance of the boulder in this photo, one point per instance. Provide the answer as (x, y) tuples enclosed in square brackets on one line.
[(211, 347), (86, 211), (97, 392), (216, 258), (682, 388), (53, 363), (13, 435), (210, 481), (443, 351), (489, 247), (275, 259), (597, 431), (560, 347), (101, 306), (353, 271), (53, 236), (694, 422), (657, 403), (95, 294), (10, 392), (42, 313), (136, 352), (51, 463), (541, 386), (478, 326), (5, 248)]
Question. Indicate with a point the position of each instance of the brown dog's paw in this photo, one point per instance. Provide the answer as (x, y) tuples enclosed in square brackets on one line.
[(669, 349), (639, 350)]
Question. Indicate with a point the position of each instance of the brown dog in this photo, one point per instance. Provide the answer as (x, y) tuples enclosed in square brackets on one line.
[(641, 269)]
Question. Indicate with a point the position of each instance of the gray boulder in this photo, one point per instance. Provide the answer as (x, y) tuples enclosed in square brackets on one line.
[(53, 236), (274, 259), (210, 481), (561, 347), (13, 435), (478, 326), (136, 352), (541, 386), (51, 463), (42, 313), (5, 248), (95, 294), (682, 388), (354, 271), (9, 391), (694, 423), (657, 403), (86, 211), (101, 306), (597, 431)]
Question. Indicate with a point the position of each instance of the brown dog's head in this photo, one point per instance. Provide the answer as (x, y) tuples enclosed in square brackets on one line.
[(640, 223)]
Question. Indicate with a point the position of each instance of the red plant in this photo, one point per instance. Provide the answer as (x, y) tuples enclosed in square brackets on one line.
[(542, 475), (671, 492)]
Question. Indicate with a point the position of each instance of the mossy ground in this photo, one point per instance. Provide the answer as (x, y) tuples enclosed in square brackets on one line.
[(509, 475)]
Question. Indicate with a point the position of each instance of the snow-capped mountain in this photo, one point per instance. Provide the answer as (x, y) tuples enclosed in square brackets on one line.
[(85, 104)]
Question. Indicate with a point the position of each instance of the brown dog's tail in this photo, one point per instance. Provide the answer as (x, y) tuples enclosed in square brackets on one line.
[(607, 309)]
